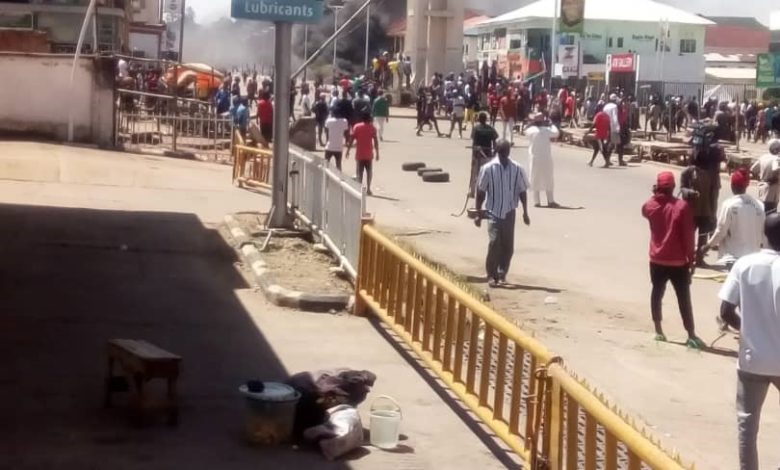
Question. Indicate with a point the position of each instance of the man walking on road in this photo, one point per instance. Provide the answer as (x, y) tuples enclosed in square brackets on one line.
[(740, 229), (540, 136), (336, 128), (365, 139), (752, 286), (483, 142), (767, 170), (508, 110), (502, 187), (381, 112), (672, 254)]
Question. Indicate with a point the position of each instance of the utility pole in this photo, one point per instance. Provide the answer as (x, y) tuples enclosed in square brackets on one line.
[(553, 43), (181, 31), (305, 49), (368, 32), (281, 148)]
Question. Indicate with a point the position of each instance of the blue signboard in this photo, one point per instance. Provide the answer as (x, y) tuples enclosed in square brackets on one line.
[(291, 11)]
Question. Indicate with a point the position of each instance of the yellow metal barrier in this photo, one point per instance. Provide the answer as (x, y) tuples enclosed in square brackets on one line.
[(583, 432), (252, 166), (484, 359), (507, 378)]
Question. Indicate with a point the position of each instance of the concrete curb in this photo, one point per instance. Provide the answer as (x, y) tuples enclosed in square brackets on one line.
[(276, 294), (180, 154)]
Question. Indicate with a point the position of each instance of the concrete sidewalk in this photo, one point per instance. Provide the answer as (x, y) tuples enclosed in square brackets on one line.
[(108, 245)]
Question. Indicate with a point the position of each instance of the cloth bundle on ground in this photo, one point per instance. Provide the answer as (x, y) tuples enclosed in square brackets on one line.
[(342, 433), (323, 390)]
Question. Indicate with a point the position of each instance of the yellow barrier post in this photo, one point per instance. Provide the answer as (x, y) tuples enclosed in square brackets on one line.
[(364, 266)]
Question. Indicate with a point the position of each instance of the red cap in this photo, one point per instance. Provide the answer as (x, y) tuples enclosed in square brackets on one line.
[(665, 180), (740, 178)]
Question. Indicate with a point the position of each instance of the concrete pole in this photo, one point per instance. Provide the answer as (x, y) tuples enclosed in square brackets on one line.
[(336, 40), (283, 68), (368, 31), (305, 49), (181, 32), (76, 56), (554, 43)]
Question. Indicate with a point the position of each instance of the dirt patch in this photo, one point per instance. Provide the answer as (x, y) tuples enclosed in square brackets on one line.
[(252, 222), (295, 265)]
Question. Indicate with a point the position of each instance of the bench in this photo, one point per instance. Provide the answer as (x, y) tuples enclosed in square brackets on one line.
[(140, 363)]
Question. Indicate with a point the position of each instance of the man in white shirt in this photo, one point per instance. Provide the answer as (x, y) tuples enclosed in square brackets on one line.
[(767, 170), (502, 185), (458, 114), (740, 229), (753, 286), (335, 132), (611, 110)]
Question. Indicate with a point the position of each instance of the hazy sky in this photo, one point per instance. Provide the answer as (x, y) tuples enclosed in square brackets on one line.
[(213, 9)]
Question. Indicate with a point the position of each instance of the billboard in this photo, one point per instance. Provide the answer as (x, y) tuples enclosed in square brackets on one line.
[(172, 14), (768, 70), (621, 62), (572, 16), (569, 60)]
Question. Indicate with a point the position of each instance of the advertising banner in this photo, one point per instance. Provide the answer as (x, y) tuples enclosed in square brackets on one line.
[(292, 11), (569, 60), (572, 16), (768, 70), (621, 62), (171, 16)]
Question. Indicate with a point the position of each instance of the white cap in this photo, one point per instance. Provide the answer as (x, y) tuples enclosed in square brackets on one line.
[(613, 97)]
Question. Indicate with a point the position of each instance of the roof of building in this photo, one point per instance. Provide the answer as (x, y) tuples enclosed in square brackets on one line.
[(471, 18), (634, 10), (730, 58), (739, 21), (727, 73)]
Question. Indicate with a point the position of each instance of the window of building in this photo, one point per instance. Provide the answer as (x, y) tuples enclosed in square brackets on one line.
[(516, 44), (687, 46), (609, 42), (620, 42), (16, 21)]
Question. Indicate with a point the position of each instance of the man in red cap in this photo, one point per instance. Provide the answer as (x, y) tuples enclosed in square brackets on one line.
[(740, 229), (672, 253)]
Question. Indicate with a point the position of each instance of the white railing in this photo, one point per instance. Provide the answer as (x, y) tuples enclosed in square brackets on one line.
[(332, 205)]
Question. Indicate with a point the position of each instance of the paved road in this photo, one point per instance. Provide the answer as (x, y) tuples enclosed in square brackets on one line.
[(99, 245), (592, 258)]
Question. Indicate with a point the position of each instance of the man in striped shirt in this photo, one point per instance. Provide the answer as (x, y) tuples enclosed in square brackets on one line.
[(502, 186)]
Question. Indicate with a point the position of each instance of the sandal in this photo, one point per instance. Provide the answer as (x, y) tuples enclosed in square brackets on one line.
[(660, 337), (695, 343)]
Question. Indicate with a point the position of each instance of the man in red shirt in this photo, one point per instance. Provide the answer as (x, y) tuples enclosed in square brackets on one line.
[(508, 112), (568, 107), (365, 139), (265, 117), (672, 253), (601, 142)]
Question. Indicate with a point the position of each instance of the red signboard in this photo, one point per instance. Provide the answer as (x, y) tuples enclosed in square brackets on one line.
[(622, 63)]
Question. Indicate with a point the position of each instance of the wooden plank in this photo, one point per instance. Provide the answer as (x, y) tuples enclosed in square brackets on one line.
[(144, 350)]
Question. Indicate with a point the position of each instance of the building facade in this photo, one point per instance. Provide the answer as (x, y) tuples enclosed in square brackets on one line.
[(667, 44), (54, 26), (147, 29)]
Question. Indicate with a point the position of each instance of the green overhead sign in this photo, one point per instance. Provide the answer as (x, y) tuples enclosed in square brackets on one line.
[(768, 70), (289, 11)]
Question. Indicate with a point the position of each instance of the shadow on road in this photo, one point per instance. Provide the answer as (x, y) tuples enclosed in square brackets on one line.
[(70, 279)]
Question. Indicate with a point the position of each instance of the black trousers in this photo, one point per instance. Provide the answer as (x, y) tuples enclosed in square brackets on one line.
[(680, 277), (502, 246)]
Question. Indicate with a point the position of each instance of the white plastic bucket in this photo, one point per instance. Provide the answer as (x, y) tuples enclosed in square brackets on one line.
[(385, 423)]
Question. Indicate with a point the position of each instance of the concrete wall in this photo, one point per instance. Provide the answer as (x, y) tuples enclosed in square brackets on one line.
[(146, 11), (439, 49), (38, 102)]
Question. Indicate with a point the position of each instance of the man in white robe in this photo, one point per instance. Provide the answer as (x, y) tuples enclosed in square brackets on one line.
[(540, 135)]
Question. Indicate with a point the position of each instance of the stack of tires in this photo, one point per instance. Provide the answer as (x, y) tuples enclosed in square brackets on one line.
[(429, 175)]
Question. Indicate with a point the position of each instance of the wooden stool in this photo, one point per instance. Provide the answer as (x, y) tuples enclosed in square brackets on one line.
[(141, 362)]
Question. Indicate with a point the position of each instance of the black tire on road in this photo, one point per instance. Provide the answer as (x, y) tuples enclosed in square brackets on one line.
[(412, 166), (423, 171), (436, 177)]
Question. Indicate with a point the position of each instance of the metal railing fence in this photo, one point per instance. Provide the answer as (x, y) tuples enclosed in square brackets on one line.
[(330, 204), (507, 378)]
